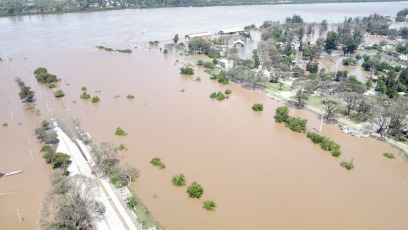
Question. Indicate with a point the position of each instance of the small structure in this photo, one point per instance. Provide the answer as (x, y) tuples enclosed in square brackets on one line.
[(226, 64), (374, 78), (295, 46), (403, 57), (230, 32), (203, 35), (239, 44)]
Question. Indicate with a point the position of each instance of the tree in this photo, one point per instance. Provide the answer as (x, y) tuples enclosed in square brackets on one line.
[(282, 114), (104, 156), (399, 118), (312, 67), (301, 32), (302, 93), (323, 26), (176, 38), (178, 180), (257, 78), (127, 173), (256, 59), (195, 190), (187, 70), (351, 99), (26, 93), (200, 45), (59, 159), (59, 93), (331, 109), (380, 119), (381, 87), (209, 205), (331, 41)]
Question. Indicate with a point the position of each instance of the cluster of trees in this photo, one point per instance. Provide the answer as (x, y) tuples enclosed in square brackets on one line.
[(42, 75), (106, 161), (294, 123), (25, 92), (187, 70), (325, 143), (157, 163), (401, 15), (393, 83)]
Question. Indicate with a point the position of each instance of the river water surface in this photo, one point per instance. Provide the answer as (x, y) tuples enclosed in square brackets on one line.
[(260, 173)]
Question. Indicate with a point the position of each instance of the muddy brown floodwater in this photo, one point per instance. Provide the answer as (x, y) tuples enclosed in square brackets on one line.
[(260, 173)]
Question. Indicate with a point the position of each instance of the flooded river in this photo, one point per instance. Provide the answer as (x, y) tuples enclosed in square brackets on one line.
[(260, 173)]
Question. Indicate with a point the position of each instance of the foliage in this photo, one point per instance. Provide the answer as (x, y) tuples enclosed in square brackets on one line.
[(389, 155), (257, 107), (209, 205), (178, 180), (130, 96), (95, 99), (312, 67), (43, 76), (59, 159), (222, 78), (51, 86), (158, 163), (124, 51), (282, 114), (105, 158), (220, 96), (132, 201), (120, 132), (122, 147), (85, 96), (59, 93), (48, 152), (331, 41), (176, 38), (45, 123), (213, 95), (83, 88), (209, 65), (165, 51), (325, 143), (297, 124), (187, 70), (26, 93), (116, 180), (228, 91), (195, 190), (4, 124), (199, 45), (349, 165)]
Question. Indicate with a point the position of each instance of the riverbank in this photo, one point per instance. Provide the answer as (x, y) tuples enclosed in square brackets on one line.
[(21, 8)]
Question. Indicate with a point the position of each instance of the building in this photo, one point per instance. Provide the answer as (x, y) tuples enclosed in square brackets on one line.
[(230, 32), (203, 35), (403, 57), (239, 44), (295, 46)]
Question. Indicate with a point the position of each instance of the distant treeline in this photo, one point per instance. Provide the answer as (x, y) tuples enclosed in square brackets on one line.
[(26, 7)]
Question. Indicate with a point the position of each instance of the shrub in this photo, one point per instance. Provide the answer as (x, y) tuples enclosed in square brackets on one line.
[(43, 76), (59, 93), (228, 91), (116, 180), (198, 78), (209, 65), (51, 86), (213, 95), (222, 78), (59, 159), (87, 141), (213, 76), (200, 62), (85, 96), (347, 164), (122, 147), (48, 152), (209, 205), (125, 51), (325, 143), (120, 132), (257, 107), (178, 180), (297, 124), (187, 70), (195, 190), (282, 114), (158, 163), (130, 96), (4, 124), (131, 202), (95, 99), (45, 123), (389, 155), (220, 96), (83, 88), (165, 51)]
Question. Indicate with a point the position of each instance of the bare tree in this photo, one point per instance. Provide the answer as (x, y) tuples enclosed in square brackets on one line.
[(351, 99), (104, 156), (381, 119), (127, 173), (302, 92), (399, 118), (257, 78), (331, 109)]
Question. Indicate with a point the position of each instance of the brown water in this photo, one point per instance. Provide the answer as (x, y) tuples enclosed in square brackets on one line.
[(260, 174)]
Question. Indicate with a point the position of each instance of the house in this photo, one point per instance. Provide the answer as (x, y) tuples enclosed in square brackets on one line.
[(374, 78), (203, 35), (230, 32), (403, 57), (295, 46), (239, 44), (226, 64)]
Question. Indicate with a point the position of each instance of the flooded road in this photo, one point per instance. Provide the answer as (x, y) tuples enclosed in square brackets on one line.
[(260, 173)]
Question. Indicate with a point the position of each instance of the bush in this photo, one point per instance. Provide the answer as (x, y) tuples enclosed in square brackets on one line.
[(257, 107), (325, 143), (51, 86), (165, 51), (209, 205), (282, 114), (83, 88), (59, 159), (228, 91), (45, 123), (122, 147), (200, 62), (116, 180), (198, 78), (195, 190), (59, 93), (222, 78), (4, 124), (220, 96), (158, 163), (297, 124), (87, 141), (130, 96), (209, 65), (187, 70), (125, 51), (347, 164), (120, 132), (213, 95), (389, 155), (178, 180), (131, 202), (85, 96), (48, 152), (95, 99)]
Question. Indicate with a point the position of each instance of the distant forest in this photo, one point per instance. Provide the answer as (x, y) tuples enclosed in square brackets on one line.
[(26, 7)]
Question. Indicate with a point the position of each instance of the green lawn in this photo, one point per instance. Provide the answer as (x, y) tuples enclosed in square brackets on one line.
[(315, 101), (142, 217), (275, 87), (195, 58)]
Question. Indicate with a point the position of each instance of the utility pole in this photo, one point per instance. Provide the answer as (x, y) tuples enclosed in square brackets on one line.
[(19, 217), (321, 121)]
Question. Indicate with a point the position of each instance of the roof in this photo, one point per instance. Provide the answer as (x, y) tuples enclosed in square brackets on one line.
[(198, 34), (232, 30), (239, 41)]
